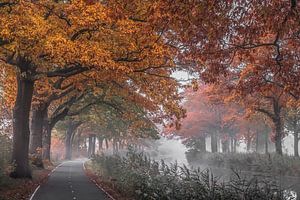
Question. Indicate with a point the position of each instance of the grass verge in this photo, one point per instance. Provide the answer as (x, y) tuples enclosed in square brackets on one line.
[(135, 176)]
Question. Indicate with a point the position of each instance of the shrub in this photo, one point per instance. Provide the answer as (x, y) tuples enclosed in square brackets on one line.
[(139, 177)]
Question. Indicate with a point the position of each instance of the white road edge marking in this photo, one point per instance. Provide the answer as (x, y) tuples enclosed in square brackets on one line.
[(95, 182), (38, 187)]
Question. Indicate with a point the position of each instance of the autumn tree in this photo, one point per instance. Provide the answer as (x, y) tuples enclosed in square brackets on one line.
[(47, 92), (208, 116), (292, 124), (252, 45), (57, 39)]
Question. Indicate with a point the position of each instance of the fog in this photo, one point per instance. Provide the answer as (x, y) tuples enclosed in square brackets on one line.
[(168, 149), (172, 149)]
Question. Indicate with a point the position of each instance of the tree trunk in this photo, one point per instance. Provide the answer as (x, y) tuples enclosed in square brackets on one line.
[(78, 141), (68, 142), (266, 142), (115, 146), (90, 146), (72, 141), (225, 146), (85, 148), (106, 143), (214, 143), (234, 145), (248, 145), (202, 144), (94, 145), (47, 140), (21, 131), (71, 128), (296, 141), (49, 124), (256, 142), (278, 136), (36, 134), (275, 116), (100, 140), (68, 153)]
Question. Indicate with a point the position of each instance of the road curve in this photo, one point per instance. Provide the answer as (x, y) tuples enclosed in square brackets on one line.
[(69, 182)]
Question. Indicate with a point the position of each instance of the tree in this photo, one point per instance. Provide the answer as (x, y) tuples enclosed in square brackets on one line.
[(46, 93), (207, 115), (293, 124), (249, 47), (53, 39), (71, 127)]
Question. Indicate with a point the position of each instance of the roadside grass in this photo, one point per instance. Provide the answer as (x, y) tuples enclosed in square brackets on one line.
[(106, 184), (135, 176)]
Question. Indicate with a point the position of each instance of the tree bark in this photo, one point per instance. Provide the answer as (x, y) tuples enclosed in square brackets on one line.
[(278, 126), (202, 144), (68, 146), (278, 135), (248, 145), (78, 141), (100, 140), (266, 142), (234, 145), (114, 146), (21, 130), (225, 146), (93, 145), (47, 141), (36, 134), (106, 143), (90, 146), (49, 124), (296, 142), (85, 148), (275, 115), (71, 127), (256, 142), (214, 143)]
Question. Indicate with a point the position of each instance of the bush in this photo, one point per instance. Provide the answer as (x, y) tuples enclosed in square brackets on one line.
[(139, 177)]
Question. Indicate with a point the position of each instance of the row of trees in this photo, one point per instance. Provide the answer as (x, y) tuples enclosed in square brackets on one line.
[(247, 50), (60, 57), (112, 126), (212, 113), (65, 56)]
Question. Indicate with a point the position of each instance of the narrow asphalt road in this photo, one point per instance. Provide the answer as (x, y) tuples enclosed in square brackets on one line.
[(69, 182)]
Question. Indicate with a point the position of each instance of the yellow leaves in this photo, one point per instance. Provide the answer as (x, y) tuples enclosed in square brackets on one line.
[(56, 47), (83, 14), (4, 31), (7, 85), (111, 45)]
